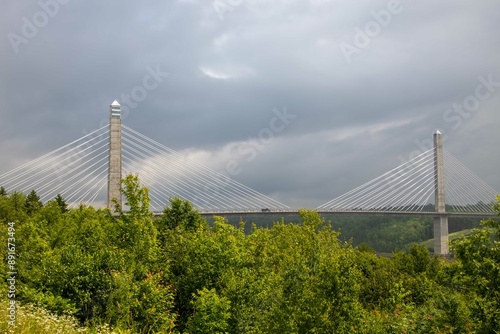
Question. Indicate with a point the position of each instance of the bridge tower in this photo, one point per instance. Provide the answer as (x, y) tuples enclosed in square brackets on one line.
[(440, 220), (115, 154)]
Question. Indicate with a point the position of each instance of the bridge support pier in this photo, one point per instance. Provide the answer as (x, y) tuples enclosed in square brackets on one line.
[(441, 235)]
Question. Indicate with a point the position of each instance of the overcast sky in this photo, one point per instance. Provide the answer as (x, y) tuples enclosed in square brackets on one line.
[(310, 98)]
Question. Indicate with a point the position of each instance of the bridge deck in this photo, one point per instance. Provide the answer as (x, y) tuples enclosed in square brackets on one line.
[(353, 213)]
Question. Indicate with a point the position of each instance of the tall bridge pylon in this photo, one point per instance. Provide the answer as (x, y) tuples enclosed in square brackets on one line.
[(409, 189), (115, 155), (440, 220)]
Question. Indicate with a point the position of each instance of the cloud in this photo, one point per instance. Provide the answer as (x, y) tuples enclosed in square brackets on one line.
[(354, 121)]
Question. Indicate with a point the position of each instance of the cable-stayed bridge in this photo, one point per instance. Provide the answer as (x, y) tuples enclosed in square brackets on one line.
[(89, 171), (411, 188), (79, 172)]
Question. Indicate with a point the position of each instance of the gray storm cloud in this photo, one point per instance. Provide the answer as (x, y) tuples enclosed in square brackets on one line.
[(229, 66)]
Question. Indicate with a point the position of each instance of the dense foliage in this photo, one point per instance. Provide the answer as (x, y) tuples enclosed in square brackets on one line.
[(178, 274)]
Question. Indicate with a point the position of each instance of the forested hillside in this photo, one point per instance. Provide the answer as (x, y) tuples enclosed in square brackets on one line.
[(88, 270), (384, 234)]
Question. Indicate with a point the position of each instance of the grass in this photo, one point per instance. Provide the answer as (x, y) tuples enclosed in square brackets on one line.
[(429, 244)]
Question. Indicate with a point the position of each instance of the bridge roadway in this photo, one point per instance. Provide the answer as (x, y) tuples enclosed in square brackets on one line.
[(286, 213)]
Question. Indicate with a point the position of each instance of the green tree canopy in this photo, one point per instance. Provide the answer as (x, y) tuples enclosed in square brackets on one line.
[(61, 203), (32, 204)]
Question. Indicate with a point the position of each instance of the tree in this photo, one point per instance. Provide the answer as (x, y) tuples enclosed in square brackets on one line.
[(136, 198), (180, 213), (416, 261), (288, 278), (99, 267), (3, 192), (136, 231), (32, 204), (12, 208), (477, 271), (199, 258), (61, 203), (211, 313)]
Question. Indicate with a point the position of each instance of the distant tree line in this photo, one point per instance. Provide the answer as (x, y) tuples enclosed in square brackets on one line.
[(384, 234)]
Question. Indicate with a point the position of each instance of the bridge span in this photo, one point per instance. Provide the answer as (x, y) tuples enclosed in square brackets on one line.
[(346, 213), (90, 169)]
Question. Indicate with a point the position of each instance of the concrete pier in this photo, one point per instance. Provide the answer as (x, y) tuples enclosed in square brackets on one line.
[(440, 220), (115, 154)]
